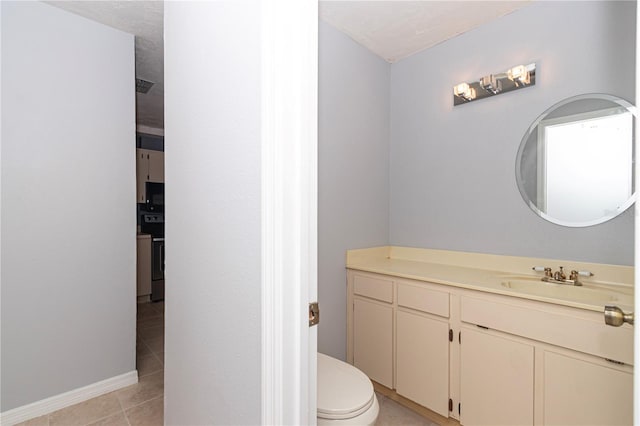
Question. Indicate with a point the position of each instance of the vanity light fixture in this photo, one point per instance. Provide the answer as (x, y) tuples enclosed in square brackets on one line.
[(514, 78), (491, 84)]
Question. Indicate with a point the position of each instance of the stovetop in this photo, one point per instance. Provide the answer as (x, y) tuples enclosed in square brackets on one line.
[(153, 223)]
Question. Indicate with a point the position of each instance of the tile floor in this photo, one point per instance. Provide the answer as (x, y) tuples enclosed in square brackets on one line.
[(392, 413), (142, 404)]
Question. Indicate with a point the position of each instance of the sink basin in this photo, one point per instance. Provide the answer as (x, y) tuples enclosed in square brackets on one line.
[(586, 293)]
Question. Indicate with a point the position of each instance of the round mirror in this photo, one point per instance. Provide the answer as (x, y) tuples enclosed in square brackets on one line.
[(575, 163)]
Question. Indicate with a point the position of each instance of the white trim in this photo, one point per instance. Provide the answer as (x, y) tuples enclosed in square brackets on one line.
[(636, 329), (63, 400), (289, 204), (141, 128)]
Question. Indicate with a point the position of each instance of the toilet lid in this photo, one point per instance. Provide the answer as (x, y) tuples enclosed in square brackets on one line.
[(343, 390)]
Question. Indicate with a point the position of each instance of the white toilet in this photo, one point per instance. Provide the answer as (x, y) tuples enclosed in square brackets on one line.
[(345, 394)]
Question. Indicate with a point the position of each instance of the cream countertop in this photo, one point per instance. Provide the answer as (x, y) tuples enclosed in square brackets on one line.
[(483, 272)]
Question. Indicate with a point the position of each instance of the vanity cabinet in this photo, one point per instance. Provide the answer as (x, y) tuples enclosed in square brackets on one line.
[(583, 372), (487, 358), (496, 379), (580, 389), (422, 346), (373, 313), (423, 360), (149, 168)]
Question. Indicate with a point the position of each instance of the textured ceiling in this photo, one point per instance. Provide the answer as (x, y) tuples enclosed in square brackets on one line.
[(391, 29), (145, 20), (394, 30)]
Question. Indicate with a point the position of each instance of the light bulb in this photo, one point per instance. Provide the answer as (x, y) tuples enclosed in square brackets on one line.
[(519, 74), (460, 89), (465, 91)]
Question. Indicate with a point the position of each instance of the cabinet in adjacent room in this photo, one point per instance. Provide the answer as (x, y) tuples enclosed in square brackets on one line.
[(143, 266), (149, 168)]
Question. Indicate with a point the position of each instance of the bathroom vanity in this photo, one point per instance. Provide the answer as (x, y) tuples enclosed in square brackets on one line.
[(481, 339)]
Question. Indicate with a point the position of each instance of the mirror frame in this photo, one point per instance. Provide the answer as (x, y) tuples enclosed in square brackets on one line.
[(532, 203)]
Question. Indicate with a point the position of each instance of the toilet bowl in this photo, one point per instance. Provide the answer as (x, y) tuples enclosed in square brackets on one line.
[(345, 394)]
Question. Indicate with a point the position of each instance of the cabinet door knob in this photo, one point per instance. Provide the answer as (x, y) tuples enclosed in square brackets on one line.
[(615, 317)]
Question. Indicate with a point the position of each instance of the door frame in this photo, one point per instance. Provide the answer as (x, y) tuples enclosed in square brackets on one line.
[(289, 209), (636, 329)]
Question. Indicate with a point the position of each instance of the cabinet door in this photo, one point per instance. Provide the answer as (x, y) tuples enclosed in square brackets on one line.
[(579, 392), (156, 166), (373, 340), (496, 380), (142, 174), (422, 361)]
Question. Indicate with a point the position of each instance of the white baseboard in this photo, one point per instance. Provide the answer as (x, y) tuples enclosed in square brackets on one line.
[(56, 402)]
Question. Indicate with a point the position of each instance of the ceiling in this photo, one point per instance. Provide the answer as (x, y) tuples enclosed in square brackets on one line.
[(145, 20), (392, 30)]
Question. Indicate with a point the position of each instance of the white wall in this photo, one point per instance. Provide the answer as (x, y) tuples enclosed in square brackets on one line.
[(453, 169), (68, 196), (353, 170), (213, 232)]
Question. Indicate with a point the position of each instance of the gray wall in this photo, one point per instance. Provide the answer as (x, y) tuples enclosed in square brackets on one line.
[(353, 164), (452, 169), (68, 196), (213, 164)]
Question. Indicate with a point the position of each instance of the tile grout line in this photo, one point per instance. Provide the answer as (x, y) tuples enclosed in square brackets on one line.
[(105, 417), (151, 372), (145, 343), (140, 403), (144, 402), (159, 318), (124, 413), (154, 352), (144, 340), (161, 361)]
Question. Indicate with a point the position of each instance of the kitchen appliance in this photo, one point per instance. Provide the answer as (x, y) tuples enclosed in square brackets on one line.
[(153, 223), (157, 269), (155, 197)]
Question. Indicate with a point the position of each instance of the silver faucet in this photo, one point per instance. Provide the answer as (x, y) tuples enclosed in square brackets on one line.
[(559, 277)]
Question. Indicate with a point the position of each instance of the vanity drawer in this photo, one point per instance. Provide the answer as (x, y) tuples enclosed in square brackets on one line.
[(423, 299), (375, 288), (583, 331)]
